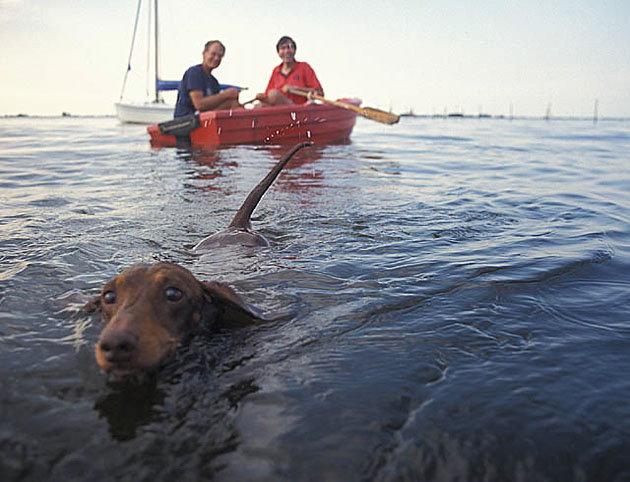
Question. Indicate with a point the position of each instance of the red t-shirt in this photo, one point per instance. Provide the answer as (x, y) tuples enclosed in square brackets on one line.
[(302, 75)]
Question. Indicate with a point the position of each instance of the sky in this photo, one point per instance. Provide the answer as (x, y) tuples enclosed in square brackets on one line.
[(431, 56)]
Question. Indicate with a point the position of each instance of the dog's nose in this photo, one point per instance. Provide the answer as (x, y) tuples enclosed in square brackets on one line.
[(118, 346)]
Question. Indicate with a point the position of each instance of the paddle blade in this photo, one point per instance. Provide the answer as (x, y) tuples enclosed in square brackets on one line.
[(379, 115)]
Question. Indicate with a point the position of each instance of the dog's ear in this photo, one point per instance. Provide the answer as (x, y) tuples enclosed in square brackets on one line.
[(231, 305)]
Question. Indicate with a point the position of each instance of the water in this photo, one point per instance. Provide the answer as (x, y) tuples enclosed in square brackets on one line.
[(456, 293)]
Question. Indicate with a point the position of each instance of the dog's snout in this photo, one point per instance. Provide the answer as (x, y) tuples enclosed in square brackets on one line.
[(118, 346)]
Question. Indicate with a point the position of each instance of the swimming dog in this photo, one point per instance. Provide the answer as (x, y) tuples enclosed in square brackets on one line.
[(148, 310)]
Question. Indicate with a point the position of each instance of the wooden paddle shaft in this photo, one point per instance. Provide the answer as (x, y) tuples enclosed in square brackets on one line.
[(368, 112)]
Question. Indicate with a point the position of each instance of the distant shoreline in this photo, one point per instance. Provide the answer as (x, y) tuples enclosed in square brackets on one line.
[(66, 115)]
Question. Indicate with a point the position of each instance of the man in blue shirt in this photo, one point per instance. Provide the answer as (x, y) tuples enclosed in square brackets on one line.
[(199, 90)]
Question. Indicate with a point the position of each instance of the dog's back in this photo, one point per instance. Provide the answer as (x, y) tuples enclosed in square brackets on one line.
[(240, 229)]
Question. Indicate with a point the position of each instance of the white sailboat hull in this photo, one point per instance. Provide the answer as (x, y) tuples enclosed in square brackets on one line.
[(147, 113)]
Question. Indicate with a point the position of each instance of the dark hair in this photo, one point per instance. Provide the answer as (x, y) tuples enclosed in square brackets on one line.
[(283, 40), (211, 42)]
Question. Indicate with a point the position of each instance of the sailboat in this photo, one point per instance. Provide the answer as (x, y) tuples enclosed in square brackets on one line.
[(150, 111), (155, 110)]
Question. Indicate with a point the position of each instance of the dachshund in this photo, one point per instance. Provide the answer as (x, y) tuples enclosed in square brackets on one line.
[(149, 310)]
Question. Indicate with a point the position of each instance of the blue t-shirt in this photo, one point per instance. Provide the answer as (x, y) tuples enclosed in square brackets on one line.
[(194, 79)]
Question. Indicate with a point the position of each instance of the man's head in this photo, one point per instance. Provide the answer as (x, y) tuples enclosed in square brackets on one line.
[(286, 49), (213, 53), (286, 42)]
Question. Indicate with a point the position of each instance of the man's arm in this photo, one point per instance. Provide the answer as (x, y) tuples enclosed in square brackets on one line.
[(211, 102), (312, 81)]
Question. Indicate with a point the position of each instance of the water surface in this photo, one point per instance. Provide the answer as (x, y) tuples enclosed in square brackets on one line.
[(456, 294)]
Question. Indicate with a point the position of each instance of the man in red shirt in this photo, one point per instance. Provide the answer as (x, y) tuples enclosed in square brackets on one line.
[(290, 73)]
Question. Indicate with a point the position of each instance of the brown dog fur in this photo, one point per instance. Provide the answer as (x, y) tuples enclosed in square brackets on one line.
[(148, 310)]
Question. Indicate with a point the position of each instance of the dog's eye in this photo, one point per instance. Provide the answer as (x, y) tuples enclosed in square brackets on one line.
[(109, 297), (173, 294)]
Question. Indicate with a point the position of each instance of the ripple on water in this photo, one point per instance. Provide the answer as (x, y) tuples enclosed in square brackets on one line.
[(440, 286)]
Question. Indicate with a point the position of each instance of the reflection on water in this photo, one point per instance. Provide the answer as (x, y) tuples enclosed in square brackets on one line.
[(454, 297), (302, 171), (128, 406)]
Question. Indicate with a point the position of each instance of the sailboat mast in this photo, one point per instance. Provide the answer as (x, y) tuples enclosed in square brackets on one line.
[(157, 49)]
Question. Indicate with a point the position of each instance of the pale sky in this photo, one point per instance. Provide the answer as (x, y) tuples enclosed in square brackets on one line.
[(428, 55)]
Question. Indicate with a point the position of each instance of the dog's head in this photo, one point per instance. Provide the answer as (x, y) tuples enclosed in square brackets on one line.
[(149, 309)]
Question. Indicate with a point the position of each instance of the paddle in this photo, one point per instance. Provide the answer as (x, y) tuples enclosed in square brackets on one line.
[(368, 112)]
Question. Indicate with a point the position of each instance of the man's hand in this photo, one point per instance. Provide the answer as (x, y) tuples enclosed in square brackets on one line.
[(230, 93)]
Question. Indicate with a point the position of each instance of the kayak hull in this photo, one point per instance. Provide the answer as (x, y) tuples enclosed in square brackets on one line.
[(266, 125)]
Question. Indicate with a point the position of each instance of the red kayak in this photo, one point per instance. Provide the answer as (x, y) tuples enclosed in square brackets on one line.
[(284, 124)]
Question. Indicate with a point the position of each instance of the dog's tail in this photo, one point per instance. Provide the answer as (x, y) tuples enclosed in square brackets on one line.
[(242, 217)]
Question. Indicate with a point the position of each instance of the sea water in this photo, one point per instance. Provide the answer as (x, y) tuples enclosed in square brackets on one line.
[(455, 296)]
